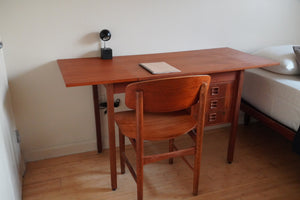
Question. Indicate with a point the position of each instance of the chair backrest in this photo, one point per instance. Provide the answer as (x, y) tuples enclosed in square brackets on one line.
[(167, 94)]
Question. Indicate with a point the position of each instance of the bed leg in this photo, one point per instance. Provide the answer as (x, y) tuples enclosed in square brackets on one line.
[(247, 119)]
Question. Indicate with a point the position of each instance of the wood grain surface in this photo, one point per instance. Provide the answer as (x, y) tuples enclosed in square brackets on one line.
[(264, 168), (94, 71)]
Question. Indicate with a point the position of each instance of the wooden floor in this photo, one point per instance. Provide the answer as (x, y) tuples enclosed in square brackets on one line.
[(264, 168)]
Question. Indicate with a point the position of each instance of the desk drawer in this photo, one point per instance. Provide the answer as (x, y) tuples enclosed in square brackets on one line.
[(215, 104), (217, 90), (218, 117)]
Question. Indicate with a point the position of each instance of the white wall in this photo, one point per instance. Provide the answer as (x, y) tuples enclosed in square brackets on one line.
[(54, 120)]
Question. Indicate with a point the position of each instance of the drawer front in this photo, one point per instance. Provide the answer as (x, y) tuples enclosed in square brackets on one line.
[(218, 117), (217, 90), (215, 104)]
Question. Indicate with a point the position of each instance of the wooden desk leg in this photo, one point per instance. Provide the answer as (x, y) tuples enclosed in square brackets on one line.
[(111, 130), (235, 119), (97, 118)]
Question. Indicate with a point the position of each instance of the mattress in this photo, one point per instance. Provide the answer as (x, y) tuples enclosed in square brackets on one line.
[(276, 95)]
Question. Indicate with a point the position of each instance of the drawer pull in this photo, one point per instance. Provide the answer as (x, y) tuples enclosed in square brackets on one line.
[(215, 90), (213, 104), (212, 117)]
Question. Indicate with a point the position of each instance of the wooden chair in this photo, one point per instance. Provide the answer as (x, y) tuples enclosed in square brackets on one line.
[(160, 113)]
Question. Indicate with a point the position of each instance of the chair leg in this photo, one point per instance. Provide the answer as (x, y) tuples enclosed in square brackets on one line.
[(171, 148), (139, 168), (122, 151), (139, 181), (197, 160)]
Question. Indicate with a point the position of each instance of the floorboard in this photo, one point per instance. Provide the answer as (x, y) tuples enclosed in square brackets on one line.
[(264, 168)]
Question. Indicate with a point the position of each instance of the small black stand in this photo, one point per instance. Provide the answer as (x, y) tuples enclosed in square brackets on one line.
[(106, 53)]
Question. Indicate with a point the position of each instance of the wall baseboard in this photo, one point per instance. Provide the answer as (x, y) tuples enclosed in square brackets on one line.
[(45, 153), (57, 151)]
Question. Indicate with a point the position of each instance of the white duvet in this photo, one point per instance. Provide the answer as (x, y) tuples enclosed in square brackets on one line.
[(276, 95)]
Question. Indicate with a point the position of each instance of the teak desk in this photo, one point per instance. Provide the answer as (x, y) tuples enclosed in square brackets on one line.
[(225, 65)]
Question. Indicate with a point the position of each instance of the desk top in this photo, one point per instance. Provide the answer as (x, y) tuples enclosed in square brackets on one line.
[(94, 71)]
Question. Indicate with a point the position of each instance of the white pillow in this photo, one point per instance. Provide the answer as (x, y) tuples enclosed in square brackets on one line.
[(283, 54)]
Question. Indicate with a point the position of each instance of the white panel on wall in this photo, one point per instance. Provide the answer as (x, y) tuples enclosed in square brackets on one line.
[(55, 120), (10, 178)]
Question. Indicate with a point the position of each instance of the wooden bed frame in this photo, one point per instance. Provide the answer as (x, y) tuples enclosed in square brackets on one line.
[(251, 111)]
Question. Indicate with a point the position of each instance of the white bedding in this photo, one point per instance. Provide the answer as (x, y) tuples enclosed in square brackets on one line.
[(276, 95)]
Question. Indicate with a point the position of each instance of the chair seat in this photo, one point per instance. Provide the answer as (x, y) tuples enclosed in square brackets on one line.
[(157, 126)]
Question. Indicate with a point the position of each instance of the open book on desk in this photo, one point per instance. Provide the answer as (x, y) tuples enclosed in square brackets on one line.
[(159, 67)]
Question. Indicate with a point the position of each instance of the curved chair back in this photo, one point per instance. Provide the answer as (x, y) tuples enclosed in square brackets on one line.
[(167, 94)]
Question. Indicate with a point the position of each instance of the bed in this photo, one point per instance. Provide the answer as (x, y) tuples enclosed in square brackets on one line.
[(272, 95)]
